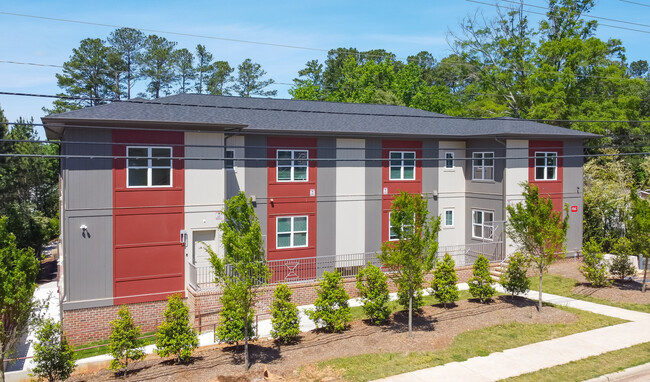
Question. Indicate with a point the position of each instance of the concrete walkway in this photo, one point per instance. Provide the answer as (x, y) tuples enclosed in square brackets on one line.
[(541, 355)]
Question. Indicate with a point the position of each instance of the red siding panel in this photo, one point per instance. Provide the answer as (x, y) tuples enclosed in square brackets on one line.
[(390, 188), (148, 258), (552, 188)]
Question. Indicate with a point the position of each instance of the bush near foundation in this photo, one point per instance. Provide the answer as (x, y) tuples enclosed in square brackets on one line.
[(372, 285), (480, 284), (331, 311), (444, 281), (284, 316)]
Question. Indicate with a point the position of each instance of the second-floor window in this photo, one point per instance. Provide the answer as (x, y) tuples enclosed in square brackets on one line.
[(149, 166), (292, 165), (402, 165), (449, 160), (483, 166), (291, 232), (545, 166), (230, 161)]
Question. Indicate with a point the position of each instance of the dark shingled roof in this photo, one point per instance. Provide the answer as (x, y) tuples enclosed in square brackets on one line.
[(310, 117)]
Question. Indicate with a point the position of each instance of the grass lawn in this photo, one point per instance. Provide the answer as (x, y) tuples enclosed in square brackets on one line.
[(466, 345), (149, 339), (591, 367), (563, 286)]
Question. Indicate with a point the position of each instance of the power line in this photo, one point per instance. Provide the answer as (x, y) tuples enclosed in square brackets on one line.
[(432, 116), (636, 3)]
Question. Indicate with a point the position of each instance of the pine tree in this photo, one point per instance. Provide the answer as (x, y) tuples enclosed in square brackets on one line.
[(125, 344), (444, 281), (331, 311), (372, 285), (175, 335), (480, 284), (249, 80), (284, 316), (53, 357), (514, 279)]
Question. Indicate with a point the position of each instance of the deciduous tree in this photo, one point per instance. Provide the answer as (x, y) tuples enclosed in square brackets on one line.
[(639, 231), (284, 316), (175, 335), (331, 310), (372, 285), (125, 344), (538, 231), (53, 356), (444, 281), (480, 284)]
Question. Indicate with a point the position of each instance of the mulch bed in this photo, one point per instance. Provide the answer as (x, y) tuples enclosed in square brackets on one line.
[(628, 291), (434, 329)]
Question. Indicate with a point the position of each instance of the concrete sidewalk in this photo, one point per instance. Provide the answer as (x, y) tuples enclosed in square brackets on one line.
[(541, 355)]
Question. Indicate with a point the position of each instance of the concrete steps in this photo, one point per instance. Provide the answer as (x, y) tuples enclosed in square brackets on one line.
[(496, 272)]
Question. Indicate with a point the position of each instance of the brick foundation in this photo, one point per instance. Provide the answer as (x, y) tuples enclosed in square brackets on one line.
[(91, 324)]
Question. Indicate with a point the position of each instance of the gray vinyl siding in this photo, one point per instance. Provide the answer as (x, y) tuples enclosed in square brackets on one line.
[(88, 198), (373, 198), (483, 194), (256, 178), (430, 175), (572, 189), (326, 198)]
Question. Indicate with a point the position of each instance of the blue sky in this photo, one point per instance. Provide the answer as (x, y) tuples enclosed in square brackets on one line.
[(403, 28)]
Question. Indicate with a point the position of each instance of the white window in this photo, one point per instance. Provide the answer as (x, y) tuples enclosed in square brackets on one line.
[(448, 218), (482, 224), (449, 160), (402, 165), (230, 162), (545, 166), (149, 166), (292, 165), (291, 232), (406, 228), (483, 166)]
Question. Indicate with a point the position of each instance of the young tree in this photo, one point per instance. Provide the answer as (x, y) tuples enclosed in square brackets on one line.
[(331, 311), (621, 265), (157, 64), (243, 269), (480, 284), (203, 68), (175, 335), (249, 80), (125, 344), (538, 230), (284, 316), (219, 77), (444, 281), (128, 43), (514, 279), (413, 254), (372, 285), (594, 266), (184, 66), (53, 357), (639, 231), (18, 270)]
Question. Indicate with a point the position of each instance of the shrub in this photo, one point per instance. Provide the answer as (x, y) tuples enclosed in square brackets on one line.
[(53, 357), (444, 281), (480, 284), (372, 285), (284, 316), (125, 343), (594, 266), (621, 265), (175, 335), (331, 312), (231, 319), (514, 279)]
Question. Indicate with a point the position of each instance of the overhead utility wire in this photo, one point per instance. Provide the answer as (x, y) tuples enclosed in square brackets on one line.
[(636, 2), (436, 116)]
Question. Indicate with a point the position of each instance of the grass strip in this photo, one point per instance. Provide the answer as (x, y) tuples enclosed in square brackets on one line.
[(563, 286), (591, 367), (149, 338), (470, 344)]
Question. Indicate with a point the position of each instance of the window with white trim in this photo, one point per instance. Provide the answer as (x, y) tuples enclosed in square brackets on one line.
[(148, 166), (483, 166), (292, 165), (545, 166), (448, 217), (449, 160), (230, 161), (402, 165), (392, 234), (482, 224), (291, 232)]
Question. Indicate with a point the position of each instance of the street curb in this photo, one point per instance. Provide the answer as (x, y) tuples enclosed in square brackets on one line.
[(632, 371)]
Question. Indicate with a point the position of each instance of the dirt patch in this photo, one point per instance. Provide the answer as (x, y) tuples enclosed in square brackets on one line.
[(435, 329), (620, 291)]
